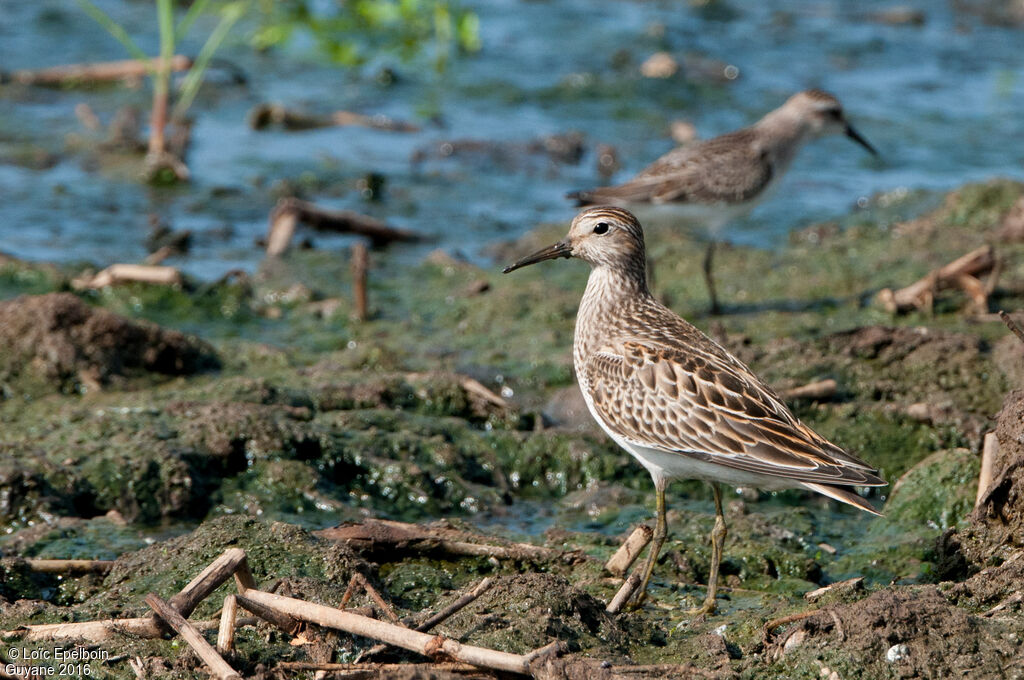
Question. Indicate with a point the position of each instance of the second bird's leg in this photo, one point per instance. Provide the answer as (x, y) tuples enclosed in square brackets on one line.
[(717, 541), (660, 531), (709, 256)]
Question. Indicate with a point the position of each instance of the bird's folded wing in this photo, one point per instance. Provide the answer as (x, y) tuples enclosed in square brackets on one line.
[(731, 168), (696, 405), (727, 169)]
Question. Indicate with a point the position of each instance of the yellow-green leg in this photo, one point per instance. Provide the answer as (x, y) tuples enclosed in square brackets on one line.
[(709, 279), (660, 531), (717, 540)]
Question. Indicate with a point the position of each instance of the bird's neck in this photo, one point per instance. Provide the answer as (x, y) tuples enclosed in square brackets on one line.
[(783, 133), (609, 292)]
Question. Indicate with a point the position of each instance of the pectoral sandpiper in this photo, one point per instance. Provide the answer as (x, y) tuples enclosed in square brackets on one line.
[(720, 179), (676, 400)]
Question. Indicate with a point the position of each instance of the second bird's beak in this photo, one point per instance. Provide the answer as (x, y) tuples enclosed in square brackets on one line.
[(857, 137), (560, 249)]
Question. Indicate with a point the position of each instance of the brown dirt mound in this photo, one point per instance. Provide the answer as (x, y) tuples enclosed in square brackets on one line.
[(57, 342), (996, 530), (906, 633)]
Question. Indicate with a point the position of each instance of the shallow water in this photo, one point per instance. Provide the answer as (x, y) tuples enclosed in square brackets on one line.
[(939, 100)]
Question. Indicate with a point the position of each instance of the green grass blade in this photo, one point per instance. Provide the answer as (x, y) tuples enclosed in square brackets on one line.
[(197, 8), (117, 31), (190, 87)]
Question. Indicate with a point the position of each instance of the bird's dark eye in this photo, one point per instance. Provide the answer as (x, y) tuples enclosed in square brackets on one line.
[(601, 228)]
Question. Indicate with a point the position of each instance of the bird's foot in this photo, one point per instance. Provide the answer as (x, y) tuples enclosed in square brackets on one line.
[(709, 607)]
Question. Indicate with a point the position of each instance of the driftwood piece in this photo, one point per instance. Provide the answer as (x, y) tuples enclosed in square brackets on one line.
[(226, 630), (106, 629), (69, 566), (961, 273), (289, 212), (388, 537), (619, 563), (989, 452), (822, 389), (378, 670), (123, 273), (431, 646), (286, 623), (625, 592), (218, 666), (263, 116), (360, 270), (208, 580), (99, 72)]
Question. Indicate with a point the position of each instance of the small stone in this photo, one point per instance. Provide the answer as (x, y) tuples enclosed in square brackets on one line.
[(659, 65), (897, 653), (794, 641), (683, 131)]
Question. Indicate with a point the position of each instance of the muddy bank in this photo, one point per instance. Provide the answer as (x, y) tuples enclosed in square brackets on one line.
[(441, 405), (56, 342)]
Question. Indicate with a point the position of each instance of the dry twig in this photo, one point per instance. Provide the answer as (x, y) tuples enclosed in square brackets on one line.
[(124, 273), (625, 592), (263, 116), (104, 71), (961, 273), (1012, 325), (422, 643), (218, 666), (289, 212), (619, 563), (820, 390), (379, 537), (989, 451)]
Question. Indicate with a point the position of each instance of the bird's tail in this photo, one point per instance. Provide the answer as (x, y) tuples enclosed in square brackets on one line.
[(844, 494)]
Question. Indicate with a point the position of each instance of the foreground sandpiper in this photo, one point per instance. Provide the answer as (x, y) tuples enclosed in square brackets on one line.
[(675, 399), (715, 181)]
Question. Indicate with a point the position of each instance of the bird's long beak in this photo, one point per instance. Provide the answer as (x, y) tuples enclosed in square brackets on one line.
[(857, 137), (560, 249)]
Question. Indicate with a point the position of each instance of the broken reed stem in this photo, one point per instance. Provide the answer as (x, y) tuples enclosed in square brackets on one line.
[(376, 597), (822, 389), (619, 563), (120, 273), (399, 669), (360, 271), (69, 566), (960, 273), (97, 631), (989, 451), (783, 620), (1012, 325), (290, 211), (104, 71), (625, 592), (286, 623), (422, 643), (218, 666), (208, 580), (226, 631), (456, 606)]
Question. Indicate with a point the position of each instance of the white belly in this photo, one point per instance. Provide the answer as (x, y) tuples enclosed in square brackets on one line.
[(664, 465)]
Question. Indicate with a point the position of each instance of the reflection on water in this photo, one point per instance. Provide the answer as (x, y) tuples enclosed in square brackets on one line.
[(940, 100)]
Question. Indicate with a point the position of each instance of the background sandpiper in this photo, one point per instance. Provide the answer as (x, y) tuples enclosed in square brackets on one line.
[(676, 400), (717, 180)]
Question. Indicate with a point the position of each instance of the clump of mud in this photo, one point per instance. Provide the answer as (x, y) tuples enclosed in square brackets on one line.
[(56, 342), (996, 530), (901, 632)]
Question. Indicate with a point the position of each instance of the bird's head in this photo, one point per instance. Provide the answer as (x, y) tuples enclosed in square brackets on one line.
[(822, 115), (602, 235)]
